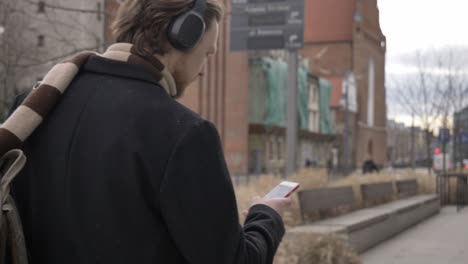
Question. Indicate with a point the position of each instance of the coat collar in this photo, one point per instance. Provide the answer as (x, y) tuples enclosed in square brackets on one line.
[(101, 65)]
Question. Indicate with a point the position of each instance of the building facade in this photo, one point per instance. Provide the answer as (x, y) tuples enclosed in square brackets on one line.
[(406, 146), (344, 37), (348, 37), (398, 144), (267, 116), (460, 146)]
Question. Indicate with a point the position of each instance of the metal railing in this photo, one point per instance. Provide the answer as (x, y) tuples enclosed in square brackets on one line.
[(444, 189)]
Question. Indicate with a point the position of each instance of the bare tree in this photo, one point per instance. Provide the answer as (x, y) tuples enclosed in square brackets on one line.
[(416, 94), (453, 89), (64, 28), (434, 91), (13, 50)]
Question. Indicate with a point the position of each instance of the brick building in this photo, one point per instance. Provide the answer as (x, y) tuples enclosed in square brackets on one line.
[(358, 45), (345, 36), (267, 116)]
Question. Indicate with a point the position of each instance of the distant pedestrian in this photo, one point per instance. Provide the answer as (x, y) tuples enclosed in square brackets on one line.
[(369, 166), (329, 167)]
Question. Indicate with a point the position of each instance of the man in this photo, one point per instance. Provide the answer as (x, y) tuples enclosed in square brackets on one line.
[(119, 172), (369, 166), (329, 167)]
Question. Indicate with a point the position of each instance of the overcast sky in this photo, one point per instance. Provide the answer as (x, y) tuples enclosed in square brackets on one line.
[(411, 25)]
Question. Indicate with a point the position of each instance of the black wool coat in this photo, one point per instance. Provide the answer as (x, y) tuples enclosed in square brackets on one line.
[(119, 172)]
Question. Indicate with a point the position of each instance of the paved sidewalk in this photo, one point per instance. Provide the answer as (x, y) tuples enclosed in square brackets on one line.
[(442, 239)]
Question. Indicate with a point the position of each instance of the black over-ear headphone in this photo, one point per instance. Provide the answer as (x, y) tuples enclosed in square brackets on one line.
[(186, 30)]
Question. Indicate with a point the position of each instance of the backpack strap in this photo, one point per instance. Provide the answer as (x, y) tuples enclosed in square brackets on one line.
[(11, 231), (10, 165)]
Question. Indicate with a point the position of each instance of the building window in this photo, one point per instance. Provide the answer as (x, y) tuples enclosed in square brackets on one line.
[(280, 150), (41, 7), (371, 94), (311, 121), (315, 93), (314, 120), (272, 149), (99, 12), (40, 41)]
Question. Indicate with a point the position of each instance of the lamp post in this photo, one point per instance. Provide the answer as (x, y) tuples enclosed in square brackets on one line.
[(291, 130)]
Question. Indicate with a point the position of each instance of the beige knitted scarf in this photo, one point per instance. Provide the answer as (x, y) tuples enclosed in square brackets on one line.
[(30, 114)]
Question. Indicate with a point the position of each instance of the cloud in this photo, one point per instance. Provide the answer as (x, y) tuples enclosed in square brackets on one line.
[(412, 70), (442, 61), (427, 26), (417, 24)]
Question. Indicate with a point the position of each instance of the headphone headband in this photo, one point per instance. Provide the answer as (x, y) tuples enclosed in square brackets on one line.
[(199, 6)]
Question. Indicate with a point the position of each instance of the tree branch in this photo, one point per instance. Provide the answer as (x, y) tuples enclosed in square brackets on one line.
[(63, 56), (65, 8)]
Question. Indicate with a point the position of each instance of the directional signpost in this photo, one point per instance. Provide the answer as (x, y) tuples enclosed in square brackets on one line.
[(273, 24), (444, 139), (267, 24)]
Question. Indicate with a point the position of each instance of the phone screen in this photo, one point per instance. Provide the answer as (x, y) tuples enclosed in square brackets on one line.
[(282, 190)]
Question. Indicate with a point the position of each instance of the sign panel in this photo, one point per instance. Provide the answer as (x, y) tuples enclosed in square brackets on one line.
[(463, 138), (267, 24), (444, 136)]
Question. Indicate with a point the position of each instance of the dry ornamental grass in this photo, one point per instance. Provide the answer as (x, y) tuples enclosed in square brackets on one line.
[(323, 249), (316, 249)]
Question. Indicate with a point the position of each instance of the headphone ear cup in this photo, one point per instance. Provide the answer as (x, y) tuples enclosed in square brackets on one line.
[(185, 31)]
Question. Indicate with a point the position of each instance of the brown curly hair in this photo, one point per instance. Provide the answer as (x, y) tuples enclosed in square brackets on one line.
[(144, 22)]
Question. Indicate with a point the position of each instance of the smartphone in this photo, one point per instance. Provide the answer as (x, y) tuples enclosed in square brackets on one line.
[(282, 190)]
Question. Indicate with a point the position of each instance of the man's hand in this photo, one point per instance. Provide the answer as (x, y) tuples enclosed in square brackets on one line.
[(278, 204)]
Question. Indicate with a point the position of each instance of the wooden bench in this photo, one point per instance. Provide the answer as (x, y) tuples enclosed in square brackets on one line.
[(376, 192), (407, 187), (367, 227), (314, 200)]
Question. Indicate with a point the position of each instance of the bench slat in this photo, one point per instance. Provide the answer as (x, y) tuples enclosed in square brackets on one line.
[(376, 191), (326, 198), (407, 187)]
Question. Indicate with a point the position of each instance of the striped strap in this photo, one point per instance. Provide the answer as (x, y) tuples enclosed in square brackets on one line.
[(30, 114)]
